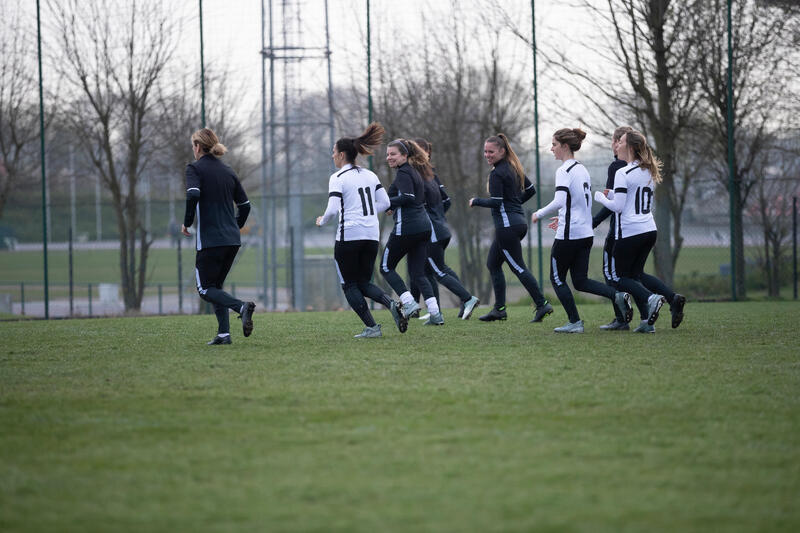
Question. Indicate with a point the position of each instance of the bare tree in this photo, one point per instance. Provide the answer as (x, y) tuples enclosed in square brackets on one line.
[(113, 57), (761, 96), (648, 78), (456, 105), (177, 115), (19, 110), (777, 172)]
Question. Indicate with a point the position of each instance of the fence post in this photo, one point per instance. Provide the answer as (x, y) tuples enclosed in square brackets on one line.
[(22, 296), (71, 280), (90, 299), (180, 281), (160, 307), (794, 243)]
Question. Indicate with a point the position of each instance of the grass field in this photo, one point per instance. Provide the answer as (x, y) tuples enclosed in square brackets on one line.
[(136, 425), (697, 273), (102, 266)]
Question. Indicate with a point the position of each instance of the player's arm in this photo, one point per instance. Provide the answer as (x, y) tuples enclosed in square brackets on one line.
[(382, 202), (242, 204), (405, 191), (559, 198), (334, 201), (192, 198), (615, 198), (495, 193), (529, 191), (446, 203), (605, 212)]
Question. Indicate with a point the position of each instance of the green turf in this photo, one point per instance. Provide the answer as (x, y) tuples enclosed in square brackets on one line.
[(136, 425), (102, 266)]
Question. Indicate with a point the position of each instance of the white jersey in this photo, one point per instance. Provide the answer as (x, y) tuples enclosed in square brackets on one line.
[(573, 199), (637, 186), (356, 194)]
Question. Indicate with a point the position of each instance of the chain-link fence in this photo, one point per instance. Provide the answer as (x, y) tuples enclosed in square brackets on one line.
[(114, 157)]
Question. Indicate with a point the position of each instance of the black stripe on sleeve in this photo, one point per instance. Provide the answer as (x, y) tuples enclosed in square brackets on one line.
[(336, 194), (567, 215), (621, 189), (379, 186), (562, 188)]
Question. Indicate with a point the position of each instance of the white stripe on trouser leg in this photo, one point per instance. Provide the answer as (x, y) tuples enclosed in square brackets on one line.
[(606, 266), (384, 267), (399, 225), (554, 266), (513, 263), (435, 269), (198, 242), (613, 271), (338, 272), (200, 288)]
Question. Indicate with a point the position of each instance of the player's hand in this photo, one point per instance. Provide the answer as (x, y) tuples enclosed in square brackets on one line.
[(470, 201), (534, 218), (185, 231), (553, 225), (599, 196), (319, 221)]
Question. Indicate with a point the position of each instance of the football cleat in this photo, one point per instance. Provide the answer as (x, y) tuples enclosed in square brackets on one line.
[(468, 307), (399, 319), (220, 339), (426, 316), (247, 318), (436, 319), (654, 304), (622, 301), (644, 327), (570, 327), (370, 333), (615, 325), (678, 301), (410, 310), (541, 312), (494, 314)]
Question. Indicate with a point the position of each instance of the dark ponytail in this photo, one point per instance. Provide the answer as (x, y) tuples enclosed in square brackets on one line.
[(351, 147)]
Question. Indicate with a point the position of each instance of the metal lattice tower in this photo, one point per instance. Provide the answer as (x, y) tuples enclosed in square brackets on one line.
[(290, 60)]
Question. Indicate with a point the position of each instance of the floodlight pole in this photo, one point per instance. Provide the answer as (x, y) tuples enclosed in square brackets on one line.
[(202, 73), (369, 75), (44, 174), (536, 129), (264, 248), (731, 146)]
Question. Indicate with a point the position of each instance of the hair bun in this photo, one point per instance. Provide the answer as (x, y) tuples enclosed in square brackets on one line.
[(579, 133)]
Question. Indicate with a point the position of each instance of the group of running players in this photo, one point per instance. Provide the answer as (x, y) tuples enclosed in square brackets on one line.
[(417, 201)]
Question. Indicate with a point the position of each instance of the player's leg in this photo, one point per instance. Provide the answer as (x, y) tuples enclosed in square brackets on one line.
[(211, 268), (581, 281), (437, 266), (366, 261), (511, 243), (494, 262), (560, 261), (347, 263), (417, 255), (611, 280)]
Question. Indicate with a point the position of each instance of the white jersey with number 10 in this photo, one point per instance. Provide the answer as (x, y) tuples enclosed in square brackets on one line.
[(638, 186)]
